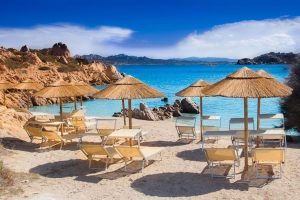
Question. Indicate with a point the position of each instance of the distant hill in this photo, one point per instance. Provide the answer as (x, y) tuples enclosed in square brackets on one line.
[(270, 58), (208, 59), (122, 59)]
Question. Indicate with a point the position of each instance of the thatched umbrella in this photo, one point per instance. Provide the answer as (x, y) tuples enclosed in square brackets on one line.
[(266, 75), (60, 89), (128, 88), (245, 84), (88, 89), (29, 84), (195, 90), (4, 85)]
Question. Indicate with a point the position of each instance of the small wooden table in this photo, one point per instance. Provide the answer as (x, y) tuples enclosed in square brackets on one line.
[(128, 134), (55, 124)]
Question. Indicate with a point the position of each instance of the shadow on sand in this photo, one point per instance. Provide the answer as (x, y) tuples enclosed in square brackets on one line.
[(192, 155), (78, 169), (182, 184), (22, 145), (161, 143), (17, 144)]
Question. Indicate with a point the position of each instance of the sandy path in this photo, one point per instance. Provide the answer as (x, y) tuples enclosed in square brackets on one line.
[(64, 174)]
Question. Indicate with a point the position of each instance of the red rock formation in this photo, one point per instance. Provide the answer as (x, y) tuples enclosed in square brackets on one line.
[(39, 65)]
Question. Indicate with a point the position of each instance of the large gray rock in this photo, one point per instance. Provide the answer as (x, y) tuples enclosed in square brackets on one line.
[(188, 106), (144, 113)]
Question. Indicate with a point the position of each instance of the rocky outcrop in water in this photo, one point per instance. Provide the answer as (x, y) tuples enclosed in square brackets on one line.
[(270, 58), (42, 66), (185, 105)]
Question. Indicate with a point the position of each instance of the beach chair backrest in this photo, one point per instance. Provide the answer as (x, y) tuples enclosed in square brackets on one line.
[(93, 149), (185, 121), (33, 131), (185, 129), (129, 152), (78, 123), (272, 155), (105, 131), (220, 154), (51, 135)]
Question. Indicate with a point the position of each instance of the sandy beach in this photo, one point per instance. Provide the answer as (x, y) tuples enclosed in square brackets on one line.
[(181, 174)]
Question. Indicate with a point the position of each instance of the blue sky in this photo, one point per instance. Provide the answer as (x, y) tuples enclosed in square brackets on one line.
[(137, 27)]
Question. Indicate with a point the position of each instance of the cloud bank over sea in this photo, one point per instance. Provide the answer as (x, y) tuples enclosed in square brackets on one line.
[(232, 40)]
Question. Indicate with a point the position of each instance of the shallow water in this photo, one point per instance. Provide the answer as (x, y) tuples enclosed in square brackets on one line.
[(169, 79)]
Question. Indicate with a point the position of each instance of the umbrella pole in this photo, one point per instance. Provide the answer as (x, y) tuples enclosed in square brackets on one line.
[(81, 101), (201, 128), (258, 113), (123, 109), (60, 109), (75, 103), (129, 114), (246, 132)]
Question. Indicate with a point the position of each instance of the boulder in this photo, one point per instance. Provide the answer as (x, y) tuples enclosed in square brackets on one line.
[(60, 49), (188, 106), (144, 113), (24, 49), (176, 113)]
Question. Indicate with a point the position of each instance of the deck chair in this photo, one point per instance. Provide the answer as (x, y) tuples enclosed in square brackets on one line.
[(185, 127), (34, 132), (99, 152), (51, 139), (268, 156), (218, 156), (140, 153)]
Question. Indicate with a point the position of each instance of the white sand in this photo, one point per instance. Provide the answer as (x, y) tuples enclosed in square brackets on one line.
[(64, 174)]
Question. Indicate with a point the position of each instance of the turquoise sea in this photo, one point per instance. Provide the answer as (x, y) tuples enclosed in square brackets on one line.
[(169, 79)]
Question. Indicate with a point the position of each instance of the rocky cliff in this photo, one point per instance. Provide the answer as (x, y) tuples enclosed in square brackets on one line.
[(46, 66), (270, 58)]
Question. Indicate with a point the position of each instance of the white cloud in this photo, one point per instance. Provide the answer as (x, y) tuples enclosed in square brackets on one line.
[(233, 40), (80, 40)]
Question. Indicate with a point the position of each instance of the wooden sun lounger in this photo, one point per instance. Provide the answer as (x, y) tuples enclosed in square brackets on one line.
[(185, 127), (217, 156), (268, 156), (98, 152), (52, 138), (34, 132), (134, 152)]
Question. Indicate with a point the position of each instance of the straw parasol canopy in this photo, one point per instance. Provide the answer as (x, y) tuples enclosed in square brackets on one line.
[(29, 84), (195, 90), (246, 83), (60, 89), (128, 88), (266, 75), (4, 85)]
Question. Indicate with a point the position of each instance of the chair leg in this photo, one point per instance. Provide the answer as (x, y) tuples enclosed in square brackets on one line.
[(90, 162), (106, 163)]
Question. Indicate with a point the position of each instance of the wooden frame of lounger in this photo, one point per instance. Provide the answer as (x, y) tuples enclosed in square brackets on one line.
[(216, 156), (268, 156), (52, 138), (144, 153), (33, 132), (95, 151), (183, 129)]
